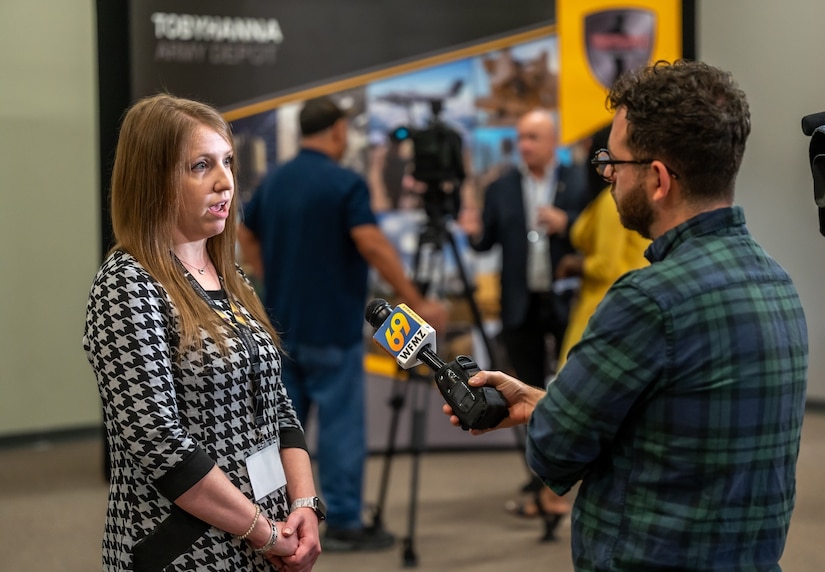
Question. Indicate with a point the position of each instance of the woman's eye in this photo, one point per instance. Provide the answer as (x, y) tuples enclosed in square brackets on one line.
[(199, 166)]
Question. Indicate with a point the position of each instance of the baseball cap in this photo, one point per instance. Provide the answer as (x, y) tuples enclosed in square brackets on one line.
[(318, 114)]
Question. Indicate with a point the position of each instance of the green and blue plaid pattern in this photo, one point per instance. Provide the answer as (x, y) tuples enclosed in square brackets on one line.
[(681, 409)]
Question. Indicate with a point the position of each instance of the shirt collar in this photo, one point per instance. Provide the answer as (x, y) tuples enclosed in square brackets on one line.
[(549, 172), (730, 219), (308, 151)]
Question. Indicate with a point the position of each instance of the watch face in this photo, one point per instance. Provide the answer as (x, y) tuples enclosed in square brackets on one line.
[(314, 503), (320, 509)]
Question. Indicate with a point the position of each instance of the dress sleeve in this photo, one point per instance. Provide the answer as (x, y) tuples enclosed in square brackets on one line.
[(289, 427), (129, 340), (622, 352)]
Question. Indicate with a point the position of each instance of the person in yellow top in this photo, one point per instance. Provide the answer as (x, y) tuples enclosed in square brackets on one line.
[(605, 251)]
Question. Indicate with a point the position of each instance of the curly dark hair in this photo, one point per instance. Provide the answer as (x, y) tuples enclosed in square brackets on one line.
[(691, 116)]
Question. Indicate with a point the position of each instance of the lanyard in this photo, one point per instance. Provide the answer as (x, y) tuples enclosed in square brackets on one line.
[(244, 333)]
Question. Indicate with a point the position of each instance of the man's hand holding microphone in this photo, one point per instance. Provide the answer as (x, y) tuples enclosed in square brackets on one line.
[(519, 397)]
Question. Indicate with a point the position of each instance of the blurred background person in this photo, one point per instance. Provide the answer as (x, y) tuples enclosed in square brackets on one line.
[(188, 365), (309, 229), (605, 250), (528, 210)]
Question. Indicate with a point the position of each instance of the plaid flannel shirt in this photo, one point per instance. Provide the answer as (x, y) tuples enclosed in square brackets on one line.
[(681, 409)]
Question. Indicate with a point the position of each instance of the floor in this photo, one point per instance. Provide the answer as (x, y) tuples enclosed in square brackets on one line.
[(52, 501)]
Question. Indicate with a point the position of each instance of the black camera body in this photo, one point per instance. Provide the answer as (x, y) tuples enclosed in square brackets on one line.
[(814, 125), (476, 407), (438, 161)]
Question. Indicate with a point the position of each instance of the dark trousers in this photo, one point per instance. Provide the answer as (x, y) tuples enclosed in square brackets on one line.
[(527, 345)]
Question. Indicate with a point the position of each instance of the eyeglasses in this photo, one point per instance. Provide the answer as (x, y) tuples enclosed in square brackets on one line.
[(601, 161)]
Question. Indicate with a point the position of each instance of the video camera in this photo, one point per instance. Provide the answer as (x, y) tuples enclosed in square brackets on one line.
[(438, 161), (814, 125)]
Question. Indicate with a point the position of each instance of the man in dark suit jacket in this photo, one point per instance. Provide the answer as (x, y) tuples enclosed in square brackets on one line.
[(528, 211)]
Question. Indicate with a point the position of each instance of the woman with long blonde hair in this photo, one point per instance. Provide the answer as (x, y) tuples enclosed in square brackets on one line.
[(206, 450)]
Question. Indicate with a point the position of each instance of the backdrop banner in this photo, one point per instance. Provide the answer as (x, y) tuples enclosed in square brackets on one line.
[(598, 40), (237, 53)]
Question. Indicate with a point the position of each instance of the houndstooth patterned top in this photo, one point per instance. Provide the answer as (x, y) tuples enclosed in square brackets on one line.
[(171, 415)]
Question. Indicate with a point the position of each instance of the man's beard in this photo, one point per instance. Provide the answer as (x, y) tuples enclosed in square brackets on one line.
[(635, 212)]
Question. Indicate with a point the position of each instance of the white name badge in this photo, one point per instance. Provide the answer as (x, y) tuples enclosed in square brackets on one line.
[(266, 472)]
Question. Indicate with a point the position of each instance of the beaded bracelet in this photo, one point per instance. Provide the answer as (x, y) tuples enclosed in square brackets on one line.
[(251, 526), (273, 538)]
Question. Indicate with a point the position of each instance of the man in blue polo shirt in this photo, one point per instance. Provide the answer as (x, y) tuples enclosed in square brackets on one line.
[(311, 223)]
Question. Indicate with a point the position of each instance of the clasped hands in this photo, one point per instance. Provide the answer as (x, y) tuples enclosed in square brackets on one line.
[(298, 545)]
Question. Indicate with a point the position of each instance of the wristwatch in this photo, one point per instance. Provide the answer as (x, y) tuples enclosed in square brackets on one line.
[(314, 503)]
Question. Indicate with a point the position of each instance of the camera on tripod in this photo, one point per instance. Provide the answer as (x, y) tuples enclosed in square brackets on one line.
[(438, 161), (814, 125)]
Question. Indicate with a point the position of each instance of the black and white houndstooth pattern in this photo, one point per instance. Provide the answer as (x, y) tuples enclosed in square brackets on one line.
[(159, 408)]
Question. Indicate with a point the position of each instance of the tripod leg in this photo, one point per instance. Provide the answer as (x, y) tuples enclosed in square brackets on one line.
[(422, 263), (468, 294), (396, 402), (419, 418)]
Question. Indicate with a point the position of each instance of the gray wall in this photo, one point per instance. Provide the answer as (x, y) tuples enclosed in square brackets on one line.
[(775, 50), (48, 161), (48, 235)]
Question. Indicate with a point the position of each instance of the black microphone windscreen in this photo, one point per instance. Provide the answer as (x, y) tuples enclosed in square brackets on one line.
[(811, 122), (377, 311)]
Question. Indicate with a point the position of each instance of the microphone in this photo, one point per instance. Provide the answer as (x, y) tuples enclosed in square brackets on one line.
[(402, 333)]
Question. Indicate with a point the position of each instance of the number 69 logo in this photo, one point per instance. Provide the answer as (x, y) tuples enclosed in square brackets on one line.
[(398, 328)]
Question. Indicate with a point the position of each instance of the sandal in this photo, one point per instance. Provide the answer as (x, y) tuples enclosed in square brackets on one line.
[(552, 517), (528, 509), (537, 506)]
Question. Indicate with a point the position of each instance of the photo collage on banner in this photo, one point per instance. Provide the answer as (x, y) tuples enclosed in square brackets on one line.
[(479, 98)]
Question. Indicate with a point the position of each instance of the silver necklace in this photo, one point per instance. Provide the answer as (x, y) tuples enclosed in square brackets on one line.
[(201, 271)]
